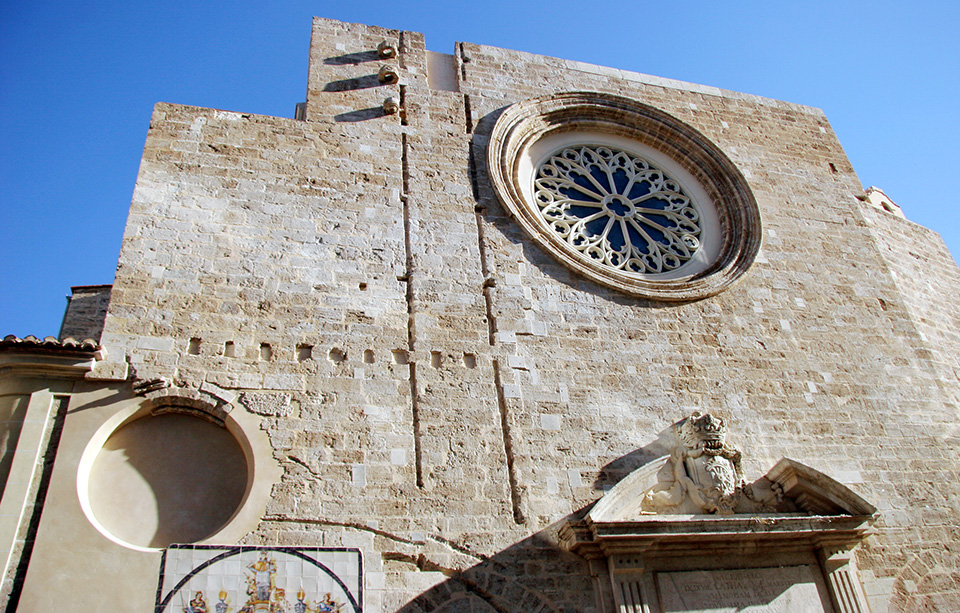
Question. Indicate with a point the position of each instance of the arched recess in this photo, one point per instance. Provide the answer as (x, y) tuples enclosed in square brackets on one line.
[(176, 468), (800, 554)]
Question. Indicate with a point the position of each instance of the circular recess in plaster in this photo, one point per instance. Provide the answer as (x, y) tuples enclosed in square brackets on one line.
[(625, 194), (165, 478)]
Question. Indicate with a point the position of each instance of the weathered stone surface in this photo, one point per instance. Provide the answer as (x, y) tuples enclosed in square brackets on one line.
[(270, 404), (762, 590), (86, 311)]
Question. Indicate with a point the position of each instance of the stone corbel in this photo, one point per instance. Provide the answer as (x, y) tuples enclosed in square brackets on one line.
[(387, 75), (386, 50)]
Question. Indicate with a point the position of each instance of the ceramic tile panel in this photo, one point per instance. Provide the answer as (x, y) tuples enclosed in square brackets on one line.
[(210, 579)]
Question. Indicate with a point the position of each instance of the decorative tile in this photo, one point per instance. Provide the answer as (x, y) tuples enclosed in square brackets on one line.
[(209, 579)]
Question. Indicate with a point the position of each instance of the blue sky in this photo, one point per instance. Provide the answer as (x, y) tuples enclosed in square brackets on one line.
[(78, 81)]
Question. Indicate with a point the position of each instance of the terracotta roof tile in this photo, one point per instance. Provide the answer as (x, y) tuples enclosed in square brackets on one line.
[(49, 343)]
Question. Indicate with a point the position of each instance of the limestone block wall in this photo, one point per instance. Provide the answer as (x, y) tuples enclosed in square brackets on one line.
[(806, 354), (442, 393), (929, 281), (85, 312)]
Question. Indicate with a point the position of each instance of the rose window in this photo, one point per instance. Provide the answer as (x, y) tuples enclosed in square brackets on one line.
[(624, 194), (617, 209)]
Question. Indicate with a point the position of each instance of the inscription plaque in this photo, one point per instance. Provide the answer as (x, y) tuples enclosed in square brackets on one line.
[(787, 589)]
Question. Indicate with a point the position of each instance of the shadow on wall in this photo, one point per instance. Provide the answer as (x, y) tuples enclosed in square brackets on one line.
[(361, 115), (352, 58), (13, 410), (781, 542), (166, 479), (346, 85), (613, 472), (535, 574)]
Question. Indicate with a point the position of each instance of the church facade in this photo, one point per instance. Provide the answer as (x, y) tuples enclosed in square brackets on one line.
[(493, 331)]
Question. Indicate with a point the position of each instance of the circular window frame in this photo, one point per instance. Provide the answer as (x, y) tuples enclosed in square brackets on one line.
[(528, 131)]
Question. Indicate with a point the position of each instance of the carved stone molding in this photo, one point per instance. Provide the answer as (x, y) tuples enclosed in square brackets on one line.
[(49, 357), (691, 517), (695, 180)]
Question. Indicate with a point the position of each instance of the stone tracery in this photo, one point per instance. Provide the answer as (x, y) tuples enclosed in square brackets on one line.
[(618, 208), (562, 166)]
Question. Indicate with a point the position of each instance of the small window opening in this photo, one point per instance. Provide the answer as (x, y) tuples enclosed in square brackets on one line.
[(229, 350), (304, 353), (399, 356), (336, 355), (266, 352), (194, 347), (368, 356), (435, 359), (469, 360)]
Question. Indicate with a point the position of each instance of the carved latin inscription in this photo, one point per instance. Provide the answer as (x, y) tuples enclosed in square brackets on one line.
[(789, 589)]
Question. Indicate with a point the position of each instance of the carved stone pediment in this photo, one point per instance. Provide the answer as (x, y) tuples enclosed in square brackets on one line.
[(693, 511)]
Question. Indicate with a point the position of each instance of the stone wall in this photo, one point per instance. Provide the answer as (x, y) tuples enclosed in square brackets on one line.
[(929, 281), (442, 393), (85, 312)]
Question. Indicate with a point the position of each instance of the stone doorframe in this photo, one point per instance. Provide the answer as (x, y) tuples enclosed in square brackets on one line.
[(626, 547)]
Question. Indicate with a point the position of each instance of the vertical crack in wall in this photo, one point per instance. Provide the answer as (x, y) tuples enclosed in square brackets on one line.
[(488, 285), (401, 49), (411, 309), (469, 119), (488, 281), (415, 406), (462, 60), (475, 188), (515, 498)]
